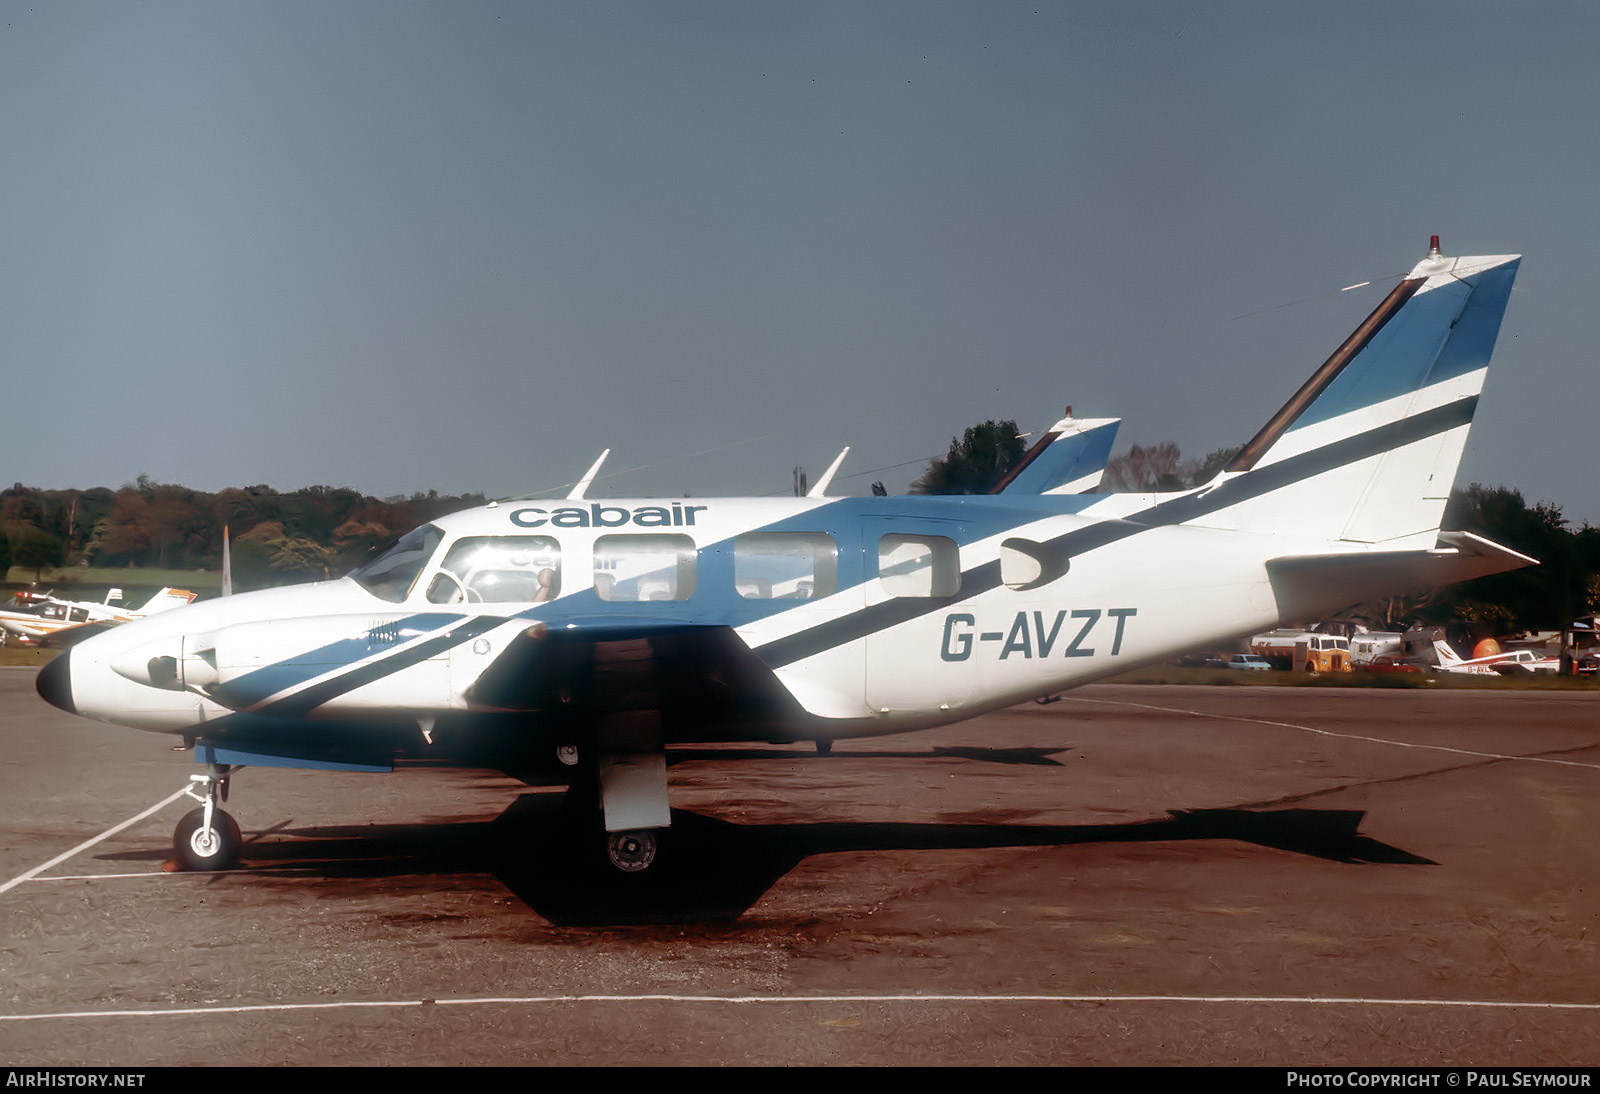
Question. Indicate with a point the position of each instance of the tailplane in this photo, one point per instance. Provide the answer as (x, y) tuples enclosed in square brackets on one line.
[(1366, 451)]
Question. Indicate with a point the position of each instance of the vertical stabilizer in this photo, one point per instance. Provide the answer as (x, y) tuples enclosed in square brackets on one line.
[(1069, 459), (1367, 450)]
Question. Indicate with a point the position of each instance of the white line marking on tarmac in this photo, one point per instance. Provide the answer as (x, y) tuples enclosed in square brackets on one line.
[(110, 877), (1332, 733), (734, 1000), (88, 843)]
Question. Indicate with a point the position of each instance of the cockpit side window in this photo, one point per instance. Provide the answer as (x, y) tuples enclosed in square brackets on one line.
[(391, 575), (498, 570)]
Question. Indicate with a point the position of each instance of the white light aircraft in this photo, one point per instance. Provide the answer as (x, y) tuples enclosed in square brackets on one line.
[(49, 620), (1515, 663), (600, 632)]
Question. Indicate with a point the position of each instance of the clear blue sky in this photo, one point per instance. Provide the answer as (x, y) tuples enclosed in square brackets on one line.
[(464, 246)]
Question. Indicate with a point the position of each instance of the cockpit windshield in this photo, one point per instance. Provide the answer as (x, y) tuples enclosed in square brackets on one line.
[(392, 573)]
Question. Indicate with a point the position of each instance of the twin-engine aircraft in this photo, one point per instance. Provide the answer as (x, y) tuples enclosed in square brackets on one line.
[(597, 633)]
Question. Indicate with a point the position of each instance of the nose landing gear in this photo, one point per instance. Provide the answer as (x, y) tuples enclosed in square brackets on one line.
[(208, 838)]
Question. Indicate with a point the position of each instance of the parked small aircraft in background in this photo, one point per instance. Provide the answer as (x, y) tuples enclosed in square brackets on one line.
[(1515, 663), (597, 633), (50, 621)]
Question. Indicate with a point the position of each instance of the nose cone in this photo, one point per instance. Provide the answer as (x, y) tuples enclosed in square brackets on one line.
[(54, 682)]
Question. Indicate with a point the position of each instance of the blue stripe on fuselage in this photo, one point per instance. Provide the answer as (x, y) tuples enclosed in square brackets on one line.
[(252, 687), (715, 601)]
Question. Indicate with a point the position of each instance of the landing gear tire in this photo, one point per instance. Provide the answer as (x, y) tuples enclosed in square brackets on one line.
[(824, 746), (200, 848), (631, 852)]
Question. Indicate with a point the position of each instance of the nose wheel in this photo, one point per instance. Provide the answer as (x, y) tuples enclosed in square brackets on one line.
[(208, 838), (199, 845)]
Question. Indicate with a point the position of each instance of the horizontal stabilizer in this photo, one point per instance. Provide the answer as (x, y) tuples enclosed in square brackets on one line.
[(1302, 583)]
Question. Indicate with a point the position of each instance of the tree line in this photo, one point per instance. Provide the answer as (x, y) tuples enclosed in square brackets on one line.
[(278, 538)]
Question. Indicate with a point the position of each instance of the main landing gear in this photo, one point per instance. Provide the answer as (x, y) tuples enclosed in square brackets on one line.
[(631, 852), (208, 838), (617, 806)]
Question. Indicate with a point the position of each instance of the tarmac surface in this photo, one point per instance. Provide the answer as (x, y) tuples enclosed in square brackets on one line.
[(1132, 875)]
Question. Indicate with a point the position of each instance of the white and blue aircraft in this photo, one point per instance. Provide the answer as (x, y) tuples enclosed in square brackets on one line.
[(600, 632)]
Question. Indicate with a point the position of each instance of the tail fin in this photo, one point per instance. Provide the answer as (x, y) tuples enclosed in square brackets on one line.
[(1448, 658), (1367, 449), (1068, 459)]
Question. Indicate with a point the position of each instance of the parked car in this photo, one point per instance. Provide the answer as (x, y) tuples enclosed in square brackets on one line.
[(1249, 662)]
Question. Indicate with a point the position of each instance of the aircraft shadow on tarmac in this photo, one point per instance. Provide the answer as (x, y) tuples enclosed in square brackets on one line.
[(1028, 757), (716, 870), (712, 870)]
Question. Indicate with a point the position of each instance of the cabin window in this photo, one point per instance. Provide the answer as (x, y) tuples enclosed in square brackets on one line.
[(785, 565), (498, 570), (919, 565), (392, 573), (651, 567)]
